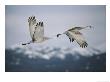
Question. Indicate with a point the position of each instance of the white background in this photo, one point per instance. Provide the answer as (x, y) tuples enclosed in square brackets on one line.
[(53, 76)]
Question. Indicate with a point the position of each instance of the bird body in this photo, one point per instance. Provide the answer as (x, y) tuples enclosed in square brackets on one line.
[(37, 33)]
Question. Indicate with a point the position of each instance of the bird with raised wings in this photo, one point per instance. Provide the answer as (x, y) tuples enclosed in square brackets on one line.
[(36, 29)]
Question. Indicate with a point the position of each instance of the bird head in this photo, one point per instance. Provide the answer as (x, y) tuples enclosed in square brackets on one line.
[(58, 35)]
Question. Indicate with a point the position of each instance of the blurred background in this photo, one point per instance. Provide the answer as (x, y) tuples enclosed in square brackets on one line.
[(57, 54)]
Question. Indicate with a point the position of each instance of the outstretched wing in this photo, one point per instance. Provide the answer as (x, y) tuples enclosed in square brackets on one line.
[(76, 35), (32, 23), (36, 29), (39, 32), (79, 28)]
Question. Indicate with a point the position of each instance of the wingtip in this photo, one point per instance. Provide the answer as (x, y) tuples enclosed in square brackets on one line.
[(84, 45)]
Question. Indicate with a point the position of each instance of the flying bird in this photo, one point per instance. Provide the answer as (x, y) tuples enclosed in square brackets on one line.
[(36, 29), (74, 34)]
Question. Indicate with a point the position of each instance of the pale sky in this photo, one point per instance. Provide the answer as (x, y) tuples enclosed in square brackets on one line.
[(56, 20)]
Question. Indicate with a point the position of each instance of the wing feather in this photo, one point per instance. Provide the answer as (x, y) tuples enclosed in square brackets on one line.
[(70, 37), (39, 32), (32, 22), (76, 35), (79, 28), (36, 29)]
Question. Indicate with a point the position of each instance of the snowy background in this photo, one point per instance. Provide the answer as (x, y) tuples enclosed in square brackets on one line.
[(57, 54)]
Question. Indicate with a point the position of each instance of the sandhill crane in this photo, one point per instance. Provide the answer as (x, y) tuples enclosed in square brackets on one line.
[(37, 33), (75, 34)]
